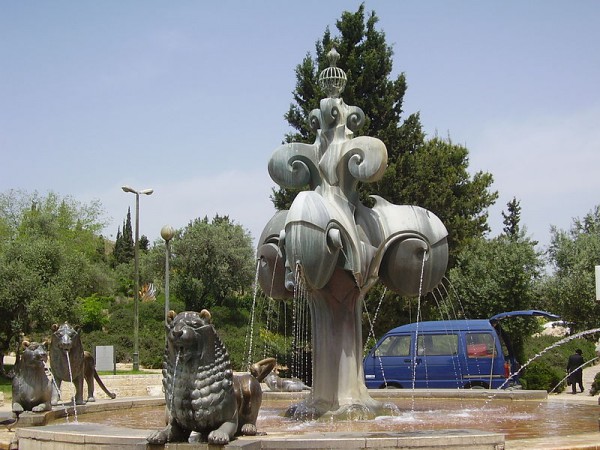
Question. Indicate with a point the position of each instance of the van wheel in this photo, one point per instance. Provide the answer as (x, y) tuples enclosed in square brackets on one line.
[(391, 386)]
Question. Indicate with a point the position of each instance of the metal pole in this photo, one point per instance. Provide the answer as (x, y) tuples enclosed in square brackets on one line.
[(136, 297), (168, 256), (136, 294), (167, 232)]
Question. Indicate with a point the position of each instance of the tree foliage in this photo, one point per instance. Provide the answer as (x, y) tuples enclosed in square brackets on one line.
[(431, 173), (436, 177), (573, 255), (211, 261), (52, 255), (498, 275)]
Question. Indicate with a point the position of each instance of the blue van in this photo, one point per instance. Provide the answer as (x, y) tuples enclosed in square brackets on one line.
[(445, 354)]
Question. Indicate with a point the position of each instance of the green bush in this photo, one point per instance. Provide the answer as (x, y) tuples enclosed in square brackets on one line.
[(595, 385), (231, 321), (94, 312), (543, 376), (118, 331)]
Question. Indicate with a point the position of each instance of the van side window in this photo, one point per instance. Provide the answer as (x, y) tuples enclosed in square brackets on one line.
[(437, 344), (394, 346), (480, 345)]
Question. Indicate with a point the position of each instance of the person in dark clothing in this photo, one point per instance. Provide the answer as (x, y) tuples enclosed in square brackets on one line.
[(575, 371)]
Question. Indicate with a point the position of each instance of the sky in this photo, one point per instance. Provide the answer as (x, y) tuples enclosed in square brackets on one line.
[(188, 98)]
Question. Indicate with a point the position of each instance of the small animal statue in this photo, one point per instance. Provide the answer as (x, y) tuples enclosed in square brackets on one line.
[(31, 386), (65, 348), (278, 384), (202, 394)]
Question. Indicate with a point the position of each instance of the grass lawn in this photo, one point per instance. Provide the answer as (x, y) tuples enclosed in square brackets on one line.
[(6, 386)]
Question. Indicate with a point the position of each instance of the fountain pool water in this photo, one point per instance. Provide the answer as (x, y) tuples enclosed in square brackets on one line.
[(516, 419)]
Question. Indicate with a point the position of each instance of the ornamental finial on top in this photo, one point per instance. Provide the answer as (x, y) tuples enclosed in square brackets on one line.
[(333, 79)]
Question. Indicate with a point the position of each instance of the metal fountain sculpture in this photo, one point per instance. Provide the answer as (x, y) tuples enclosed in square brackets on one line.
[(335, 248)]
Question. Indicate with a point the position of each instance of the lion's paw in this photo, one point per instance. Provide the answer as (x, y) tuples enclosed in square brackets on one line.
[(249, 429), (218, 437), (17, 408), (158, 437), (41, 408)]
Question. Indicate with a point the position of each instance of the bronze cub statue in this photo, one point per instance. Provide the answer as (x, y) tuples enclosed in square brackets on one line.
[(65, 348), (31, 386), (202, 394)]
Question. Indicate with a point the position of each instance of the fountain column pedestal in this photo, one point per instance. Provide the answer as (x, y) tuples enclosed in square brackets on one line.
[(338, 381)]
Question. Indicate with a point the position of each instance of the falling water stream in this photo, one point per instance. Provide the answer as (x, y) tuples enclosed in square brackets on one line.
[(372, 332), (415, 360), (71, 378), (53, 381), (250, 338), (300, 328), (172, 399)]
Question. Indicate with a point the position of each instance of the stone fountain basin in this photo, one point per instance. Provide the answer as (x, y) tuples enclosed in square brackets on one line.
[(312, 435)]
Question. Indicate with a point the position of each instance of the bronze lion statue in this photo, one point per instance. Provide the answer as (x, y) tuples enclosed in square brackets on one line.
[(201, 392), (65, 349), (31, 386)]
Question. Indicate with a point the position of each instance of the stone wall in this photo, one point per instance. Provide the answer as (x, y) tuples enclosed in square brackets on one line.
[(122, 385)]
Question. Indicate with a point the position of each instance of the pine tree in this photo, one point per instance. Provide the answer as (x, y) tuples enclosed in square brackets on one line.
[(429, 173), (117, 249), (128, 243), (512, 219), (144, 243), (124, 250)]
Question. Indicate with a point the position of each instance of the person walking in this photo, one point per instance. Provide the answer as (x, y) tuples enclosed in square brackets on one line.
[(575, 370)]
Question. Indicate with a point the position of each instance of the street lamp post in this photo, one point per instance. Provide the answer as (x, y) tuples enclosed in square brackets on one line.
[(136, 294), (167, 232)]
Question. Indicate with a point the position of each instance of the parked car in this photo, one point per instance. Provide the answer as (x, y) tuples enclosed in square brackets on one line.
[(446, 354)]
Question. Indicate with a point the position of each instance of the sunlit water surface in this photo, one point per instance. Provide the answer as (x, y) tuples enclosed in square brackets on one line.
[(515, 419)]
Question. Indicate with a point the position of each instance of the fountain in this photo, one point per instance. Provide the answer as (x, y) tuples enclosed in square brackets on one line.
[(331, 249), (334, 249)]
